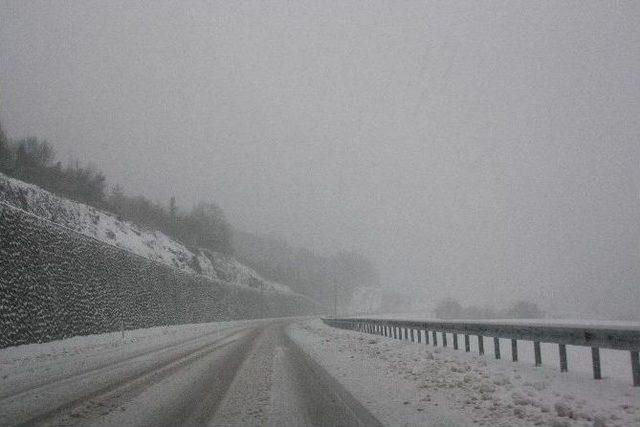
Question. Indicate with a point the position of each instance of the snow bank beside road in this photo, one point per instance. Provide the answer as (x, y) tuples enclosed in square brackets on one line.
[(408, 383)]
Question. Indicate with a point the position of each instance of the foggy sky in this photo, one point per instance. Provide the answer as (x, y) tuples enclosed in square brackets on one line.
[(486, 151)]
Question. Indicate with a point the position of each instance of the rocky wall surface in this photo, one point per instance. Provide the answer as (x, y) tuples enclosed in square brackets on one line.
[(56, 283)]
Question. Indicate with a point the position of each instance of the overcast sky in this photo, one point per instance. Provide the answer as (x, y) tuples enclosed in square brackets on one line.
[(481, 150)]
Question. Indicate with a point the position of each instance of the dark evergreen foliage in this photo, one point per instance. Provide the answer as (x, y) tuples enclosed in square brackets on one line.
[(32, 160)]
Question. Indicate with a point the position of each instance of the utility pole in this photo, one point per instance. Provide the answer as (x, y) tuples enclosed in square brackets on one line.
[(335, 299)]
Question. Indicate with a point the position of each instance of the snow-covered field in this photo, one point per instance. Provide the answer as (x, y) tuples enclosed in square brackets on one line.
[(406, 383), (109, 229)]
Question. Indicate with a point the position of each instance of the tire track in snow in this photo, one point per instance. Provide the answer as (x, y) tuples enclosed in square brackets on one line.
[(41, 404)]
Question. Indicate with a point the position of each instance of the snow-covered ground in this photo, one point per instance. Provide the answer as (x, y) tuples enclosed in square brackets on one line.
[(25, 363), (406, 383), (108, 228), (615, 363)]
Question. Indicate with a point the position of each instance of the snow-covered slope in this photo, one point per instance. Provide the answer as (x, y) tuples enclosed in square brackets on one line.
[(150, 244)]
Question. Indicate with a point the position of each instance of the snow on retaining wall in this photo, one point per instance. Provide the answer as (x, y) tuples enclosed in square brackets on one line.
[(56, 283)]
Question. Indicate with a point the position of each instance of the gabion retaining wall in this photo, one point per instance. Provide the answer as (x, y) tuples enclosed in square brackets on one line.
[(56, 283)]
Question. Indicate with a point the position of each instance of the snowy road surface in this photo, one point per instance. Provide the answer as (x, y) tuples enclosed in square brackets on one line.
[(291, 373), (241, 373)]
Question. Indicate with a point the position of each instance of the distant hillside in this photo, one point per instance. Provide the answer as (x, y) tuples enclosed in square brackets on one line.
[(347, 278), (108, 228)]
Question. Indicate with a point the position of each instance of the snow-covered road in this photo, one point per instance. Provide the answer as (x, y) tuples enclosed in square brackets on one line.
[(291, 372), (234, 373)]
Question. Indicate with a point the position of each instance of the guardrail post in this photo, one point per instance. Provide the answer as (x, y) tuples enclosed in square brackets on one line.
[(444, 339), (419, 333), (435, 338), (496, 347), (537, 353), (480, 344), (595, 358), (635, 368), (426, 336), (455, 341), (412, 337), (406, 333), (562, 348), (467, 344), (514, 350)]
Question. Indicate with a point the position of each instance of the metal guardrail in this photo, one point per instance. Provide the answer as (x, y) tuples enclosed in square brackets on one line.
[(596, 337)]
